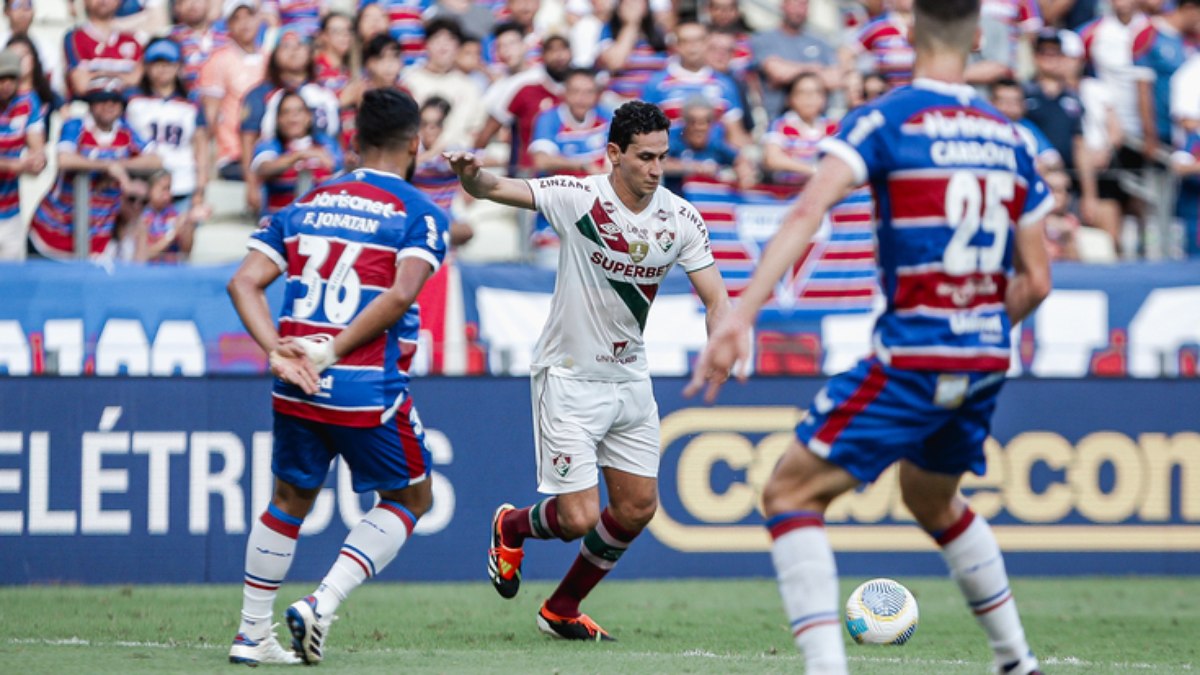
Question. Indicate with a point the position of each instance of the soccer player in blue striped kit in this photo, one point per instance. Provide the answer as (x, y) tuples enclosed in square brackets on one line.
[(355, 253), (959, 208)]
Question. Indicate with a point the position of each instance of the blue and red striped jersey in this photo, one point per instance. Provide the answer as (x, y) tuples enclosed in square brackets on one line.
[(23, 115), (644, 61), (951, 178), (119, 53), (673, 88), (160, 225), (299, 15), (405, 25), (280, 190), (53, 222), (886, 40), (196, 47), (338, 247)]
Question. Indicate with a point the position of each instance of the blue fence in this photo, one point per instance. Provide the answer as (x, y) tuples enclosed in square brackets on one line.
[(158, 480)]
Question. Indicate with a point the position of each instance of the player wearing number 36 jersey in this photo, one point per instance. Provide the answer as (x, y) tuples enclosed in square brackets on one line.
[(354, 253), (961, 260)]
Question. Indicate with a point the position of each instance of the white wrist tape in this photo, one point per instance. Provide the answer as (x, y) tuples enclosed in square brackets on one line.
[(319, 349)]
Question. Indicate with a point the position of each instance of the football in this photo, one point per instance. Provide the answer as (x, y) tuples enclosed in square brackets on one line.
[(881, 612)]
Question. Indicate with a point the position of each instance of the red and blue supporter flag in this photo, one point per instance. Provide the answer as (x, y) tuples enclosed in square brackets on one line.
[(836, 275)]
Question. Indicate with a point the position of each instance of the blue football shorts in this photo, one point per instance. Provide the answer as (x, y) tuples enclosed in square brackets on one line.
[(387, 457), (873, 415)]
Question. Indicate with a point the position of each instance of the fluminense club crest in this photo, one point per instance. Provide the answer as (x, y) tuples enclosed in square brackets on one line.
[(562, 464), (665, 239)]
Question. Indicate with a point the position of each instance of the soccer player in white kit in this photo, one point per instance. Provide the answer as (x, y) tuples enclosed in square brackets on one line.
[(593, 406)]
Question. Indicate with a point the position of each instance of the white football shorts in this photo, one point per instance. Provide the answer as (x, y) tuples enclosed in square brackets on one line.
[(579, 425)]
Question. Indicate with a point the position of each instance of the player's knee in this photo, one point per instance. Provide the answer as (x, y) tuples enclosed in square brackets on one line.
[(635, 514), (576, 520), (784, 493)]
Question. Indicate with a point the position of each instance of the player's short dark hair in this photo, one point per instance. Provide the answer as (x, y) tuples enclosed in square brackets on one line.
[(444, 24), (634, 118), (948, 24), (947, 10), (1181, 3), (386, 119), (508, 27)]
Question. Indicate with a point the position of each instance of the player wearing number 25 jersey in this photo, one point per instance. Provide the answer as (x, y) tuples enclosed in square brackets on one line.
[(354, 254), (961, 258)]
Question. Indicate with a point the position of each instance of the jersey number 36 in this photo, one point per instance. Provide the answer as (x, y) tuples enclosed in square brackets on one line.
[(341, 292)]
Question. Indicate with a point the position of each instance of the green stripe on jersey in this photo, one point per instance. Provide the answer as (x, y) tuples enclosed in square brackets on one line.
[(634, 300), (587, 227)]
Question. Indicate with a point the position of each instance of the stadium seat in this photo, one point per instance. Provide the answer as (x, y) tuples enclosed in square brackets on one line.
[(220, 242), (1095, 246), (497, 234)]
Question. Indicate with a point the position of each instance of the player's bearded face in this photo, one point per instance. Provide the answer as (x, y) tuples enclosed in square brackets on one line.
[(640, 167)]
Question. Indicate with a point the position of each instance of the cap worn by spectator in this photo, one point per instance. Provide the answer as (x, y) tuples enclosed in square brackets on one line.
[(109, 89), (163, 50), (232, 6), (10, 64), (1072, 44)]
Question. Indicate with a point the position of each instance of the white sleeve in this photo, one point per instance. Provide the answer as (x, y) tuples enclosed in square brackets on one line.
[(695, 251), (562, 200), (1185, 101)]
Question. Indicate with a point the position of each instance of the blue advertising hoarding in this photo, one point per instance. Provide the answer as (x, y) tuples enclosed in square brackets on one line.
[(158, 480)]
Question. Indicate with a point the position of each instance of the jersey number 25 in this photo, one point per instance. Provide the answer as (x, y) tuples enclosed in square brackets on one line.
[(970, 208)]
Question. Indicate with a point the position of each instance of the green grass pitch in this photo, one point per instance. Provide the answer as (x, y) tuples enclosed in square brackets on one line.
[(1094, 625)]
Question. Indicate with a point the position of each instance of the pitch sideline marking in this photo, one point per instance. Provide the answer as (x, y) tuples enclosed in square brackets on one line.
[(1070, 661)]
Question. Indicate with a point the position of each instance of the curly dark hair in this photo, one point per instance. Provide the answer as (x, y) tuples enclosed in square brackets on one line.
[(387, 118), (633, 118)]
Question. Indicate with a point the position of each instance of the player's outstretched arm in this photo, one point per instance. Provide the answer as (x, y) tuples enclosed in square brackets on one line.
[(482, 184), (1031, 283), (729, 343)]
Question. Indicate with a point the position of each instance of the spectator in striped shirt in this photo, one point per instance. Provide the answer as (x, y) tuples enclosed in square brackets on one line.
[(335, 39), (296, 147), (21, 127), (198, 37), (790, 146), (633, 47), (98, 51), (20, 19), (103, 146)]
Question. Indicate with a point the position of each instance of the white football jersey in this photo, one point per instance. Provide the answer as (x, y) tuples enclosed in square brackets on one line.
[(609, 269)]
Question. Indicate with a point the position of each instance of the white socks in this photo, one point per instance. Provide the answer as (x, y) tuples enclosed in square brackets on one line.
[(807, 577), (269, 552), (970, 551), (369, 547)]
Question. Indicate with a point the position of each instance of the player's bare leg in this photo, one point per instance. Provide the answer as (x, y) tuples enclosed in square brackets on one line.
[(371, 545), (970, 551), (270, 549), (795, 499), (606, 535)]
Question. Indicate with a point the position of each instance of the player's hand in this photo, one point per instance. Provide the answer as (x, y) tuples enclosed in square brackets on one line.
[(465, 165), (289, 362), (728, 347)]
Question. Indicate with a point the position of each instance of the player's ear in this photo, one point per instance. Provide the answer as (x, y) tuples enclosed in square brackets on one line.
[(414, 145), (977, 43), (614, 154)]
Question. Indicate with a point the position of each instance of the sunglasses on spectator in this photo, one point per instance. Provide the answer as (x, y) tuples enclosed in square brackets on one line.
[(135, 199)]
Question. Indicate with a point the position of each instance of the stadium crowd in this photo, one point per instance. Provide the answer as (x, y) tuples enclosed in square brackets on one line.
[(154, 100)]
